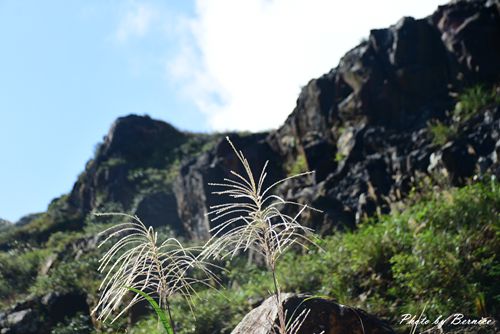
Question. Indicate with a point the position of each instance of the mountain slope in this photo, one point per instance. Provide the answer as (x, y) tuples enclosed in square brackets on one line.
[(415, 106)]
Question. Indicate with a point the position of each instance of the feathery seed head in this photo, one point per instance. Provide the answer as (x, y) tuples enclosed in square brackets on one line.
[(256, 212), (137, 260)]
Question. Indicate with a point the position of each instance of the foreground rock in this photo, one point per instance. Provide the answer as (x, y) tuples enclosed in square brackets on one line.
[(325, 316)]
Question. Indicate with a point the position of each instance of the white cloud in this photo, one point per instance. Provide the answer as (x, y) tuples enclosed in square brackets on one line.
[(136, 22), (243, 62)]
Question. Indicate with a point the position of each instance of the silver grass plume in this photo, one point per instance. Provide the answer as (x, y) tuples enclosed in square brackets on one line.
[(138, 260), (253, 220)]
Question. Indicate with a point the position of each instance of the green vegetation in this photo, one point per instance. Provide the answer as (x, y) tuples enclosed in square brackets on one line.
[(68, 276), (58, 217), (21, 268), (441, 133), (339, 157), (153, 179), (442, 250), (18, 271), (162, 315), (469, 103), (298, 166), (473, 99)]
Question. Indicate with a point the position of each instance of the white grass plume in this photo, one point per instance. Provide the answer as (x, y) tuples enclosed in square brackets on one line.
[(262, 227), (253, 220), (140, 261)]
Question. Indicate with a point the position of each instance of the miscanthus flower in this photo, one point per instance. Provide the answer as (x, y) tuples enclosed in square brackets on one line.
[(138, 260)]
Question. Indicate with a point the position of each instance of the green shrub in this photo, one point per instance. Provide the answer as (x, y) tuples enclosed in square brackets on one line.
[(473, 99), (67, 276), (298, 166), (441, 133), (442, 250), (469, 102), (151, 179), (339, 157), (17, 272)]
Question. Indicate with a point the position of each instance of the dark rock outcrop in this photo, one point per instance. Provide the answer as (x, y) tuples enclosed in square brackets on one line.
[(364, 125), (132, 142), (159, 209), (25, 321), (130, 138), (192, 189), (470, 32), (38, 315), (324, 316), (59, 306)]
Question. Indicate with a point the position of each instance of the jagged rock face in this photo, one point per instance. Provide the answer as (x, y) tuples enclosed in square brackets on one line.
[(325, 316), (363, 125), (362, 128), (470, 31), (397, 79), (139, 138), (160, 209), (132, 142), (192, 189), (397, 76)]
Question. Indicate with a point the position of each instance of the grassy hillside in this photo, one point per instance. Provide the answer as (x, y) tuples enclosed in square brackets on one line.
[(442, 250)]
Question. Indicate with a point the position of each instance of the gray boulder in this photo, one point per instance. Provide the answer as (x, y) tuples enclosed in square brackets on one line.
[(321, 316)]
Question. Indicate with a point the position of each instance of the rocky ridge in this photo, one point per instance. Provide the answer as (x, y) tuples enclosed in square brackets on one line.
[(364, 126)]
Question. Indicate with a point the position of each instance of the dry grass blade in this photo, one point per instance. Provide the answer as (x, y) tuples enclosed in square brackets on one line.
[(139, 261)]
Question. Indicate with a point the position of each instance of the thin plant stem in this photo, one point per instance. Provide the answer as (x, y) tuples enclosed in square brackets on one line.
[(277, 293), (253, 220), (167, 304)]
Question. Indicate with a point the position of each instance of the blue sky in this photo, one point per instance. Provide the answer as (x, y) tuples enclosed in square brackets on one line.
[(68, 69)]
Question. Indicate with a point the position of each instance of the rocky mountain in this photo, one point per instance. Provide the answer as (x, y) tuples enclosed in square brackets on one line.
[(364, 127), (414, 102)]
